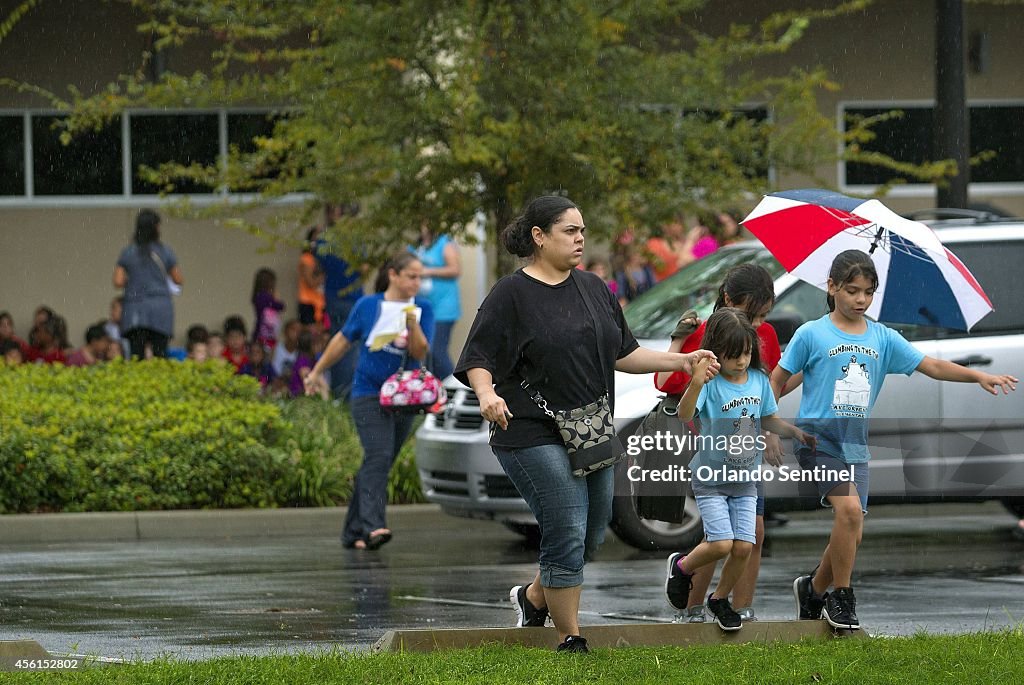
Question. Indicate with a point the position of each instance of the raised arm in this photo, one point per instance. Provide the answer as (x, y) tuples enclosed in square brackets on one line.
[(687, 406), (643, 360), (418, 345)]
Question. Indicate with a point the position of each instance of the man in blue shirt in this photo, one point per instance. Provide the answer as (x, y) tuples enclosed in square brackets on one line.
[(343, 286)]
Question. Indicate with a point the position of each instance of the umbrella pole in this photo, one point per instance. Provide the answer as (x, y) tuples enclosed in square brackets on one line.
[(878, 237)]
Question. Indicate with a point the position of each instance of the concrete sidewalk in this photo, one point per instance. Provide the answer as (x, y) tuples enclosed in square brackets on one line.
[(214, 524), (138, 526)]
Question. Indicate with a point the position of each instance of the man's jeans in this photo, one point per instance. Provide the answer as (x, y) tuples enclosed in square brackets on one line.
[(573, 513)]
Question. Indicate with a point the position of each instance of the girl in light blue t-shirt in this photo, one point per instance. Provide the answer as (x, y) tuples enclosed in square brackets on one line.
[(733, 407), (844, 357)]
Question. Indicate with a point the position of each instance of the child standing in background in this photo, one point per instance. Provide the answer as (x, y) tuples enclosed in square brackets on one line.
[(267, 306)]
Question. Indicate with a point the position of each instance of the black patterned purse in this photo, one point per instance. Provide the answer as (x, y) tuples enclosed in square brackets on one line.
[(588, 433)]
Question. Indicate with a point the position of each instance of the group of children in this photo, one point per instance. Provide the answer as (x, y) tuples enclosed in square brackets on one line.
[(48, 341), (828, 356), (278, 355)]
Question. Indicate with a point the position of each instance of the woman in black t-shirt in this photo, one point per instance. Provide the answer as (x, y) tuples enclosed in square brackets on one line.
[(535, 326)]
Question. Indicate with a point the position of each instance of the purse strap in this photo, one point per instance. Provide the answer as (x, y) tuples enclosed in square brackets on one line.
[(593, 316)]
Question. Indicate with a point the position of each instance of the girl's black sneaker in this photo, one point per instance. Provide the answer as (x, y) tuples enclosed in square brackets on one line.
[(574, 644), (725, 616), (841, 609)]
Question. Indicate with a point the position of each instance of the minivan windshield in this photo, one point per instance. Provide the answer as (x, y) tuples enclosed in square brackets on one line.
[(654, 314)]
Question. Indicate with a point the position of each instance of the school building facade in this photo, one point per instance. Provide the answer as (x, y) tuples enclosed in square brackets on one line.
[(65, 213)]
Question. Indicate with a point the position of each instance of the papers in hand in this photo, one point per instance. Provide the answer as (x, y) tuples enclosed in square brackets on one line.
[(390, 325)]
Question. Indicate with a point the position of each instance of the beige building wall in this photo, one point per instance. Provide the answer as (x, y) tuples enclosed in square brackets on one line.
[(63, 254), (64, 258)]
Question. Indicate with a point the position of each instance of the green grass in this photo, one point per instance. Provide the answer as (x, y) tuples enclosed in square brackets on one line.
[(976, 658)]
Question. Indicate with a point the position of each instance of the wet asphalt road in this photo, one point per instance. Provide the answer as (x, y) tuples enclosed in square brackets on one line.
[(952, 568)]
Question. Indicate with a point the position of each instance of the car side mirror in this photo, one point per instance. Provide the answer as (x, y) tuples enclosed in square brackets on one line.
[(785, 325)]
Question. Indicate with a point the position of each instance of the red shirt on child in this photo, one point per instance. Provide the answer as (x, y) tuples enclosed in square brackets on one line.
[(771, 353)]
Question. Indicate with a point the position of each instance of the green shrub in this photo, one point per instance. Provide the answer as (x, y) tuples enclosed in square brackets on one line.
[(169, 435), (325, 453)]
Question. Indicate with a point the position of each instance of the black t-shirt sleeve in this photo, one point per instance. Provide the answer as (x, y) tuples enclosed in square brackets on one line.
[(489, 344)]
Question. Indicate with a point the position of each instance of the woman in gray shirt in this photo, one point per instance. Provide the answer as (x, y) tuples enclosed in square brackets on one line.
[(146, 270)]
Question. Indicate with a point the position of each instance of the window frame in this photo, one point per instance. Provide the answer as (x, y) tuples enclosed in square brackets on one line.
[(126, 198)]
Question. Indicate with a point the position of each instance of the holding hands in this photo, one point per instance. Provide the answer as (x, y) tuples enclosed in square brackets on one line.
[(701, 364)]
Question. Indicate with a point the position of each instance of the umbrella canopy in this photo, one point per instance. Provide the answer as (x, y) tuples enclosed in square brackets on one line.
[(919, 280)]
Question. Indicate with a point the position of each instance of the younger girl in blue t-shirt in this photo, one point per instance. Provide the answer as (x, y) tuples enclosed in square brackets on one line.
[(844, 358), (733, 408)]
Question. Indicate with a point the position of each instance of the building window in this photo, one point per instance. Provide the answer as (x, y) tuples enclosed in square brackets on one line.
[(999, 128), (34, 164), (183, 138), (12, 155), (244, 127), (909, 139), (89, 165)]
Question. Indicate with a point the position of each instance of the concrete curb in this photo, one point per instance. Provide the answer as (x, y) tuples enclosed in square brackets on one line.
[(626, 635), (139, 526)]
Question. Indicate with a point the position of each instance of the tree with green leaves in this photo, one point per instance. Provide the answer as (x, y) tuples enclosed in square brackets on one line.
[(435, 110)]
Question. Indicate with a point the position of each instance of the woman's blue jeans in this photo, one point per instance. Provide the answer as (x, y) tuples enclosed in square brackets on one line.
[(382, 436), (573, 513)]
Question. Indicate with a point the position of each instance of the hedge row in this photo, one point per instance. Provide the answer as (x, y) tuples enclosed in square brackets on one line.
[(168, 435)]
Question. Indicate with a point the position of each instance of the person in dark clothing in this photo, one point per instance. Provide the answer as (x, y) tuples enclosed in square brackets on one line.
[(536, 325), (343, 286)]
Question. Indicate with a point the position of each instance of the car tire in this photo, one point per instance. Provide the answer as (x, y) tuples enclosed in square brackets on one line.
[(530, 531), (1015, 505), (648, 534)]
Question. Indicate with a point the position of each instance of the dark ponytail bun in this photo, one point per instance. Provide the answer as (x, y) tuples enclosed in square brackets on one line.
[(542, 212)]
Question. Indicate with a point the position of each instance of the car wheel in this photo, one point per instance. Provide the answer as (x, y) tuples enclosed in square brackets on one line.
[(649, 534), (1015, 505), (530, 531)]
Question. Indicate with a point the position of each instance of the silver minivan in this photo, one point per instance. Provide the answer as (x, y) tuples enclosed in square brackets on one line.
[(930, 440)]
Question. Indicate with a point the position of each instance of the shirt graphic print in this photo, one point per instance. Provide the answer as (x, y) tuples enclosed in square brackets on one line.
[(852, 394)]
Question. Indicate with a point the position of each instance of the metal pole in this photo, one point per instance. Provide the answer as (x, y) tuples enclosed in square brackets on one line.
[(952, 132)]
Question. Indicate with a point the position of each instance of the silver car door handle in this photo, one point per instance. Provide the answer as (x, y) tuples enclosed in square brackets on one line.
[(974, 360)]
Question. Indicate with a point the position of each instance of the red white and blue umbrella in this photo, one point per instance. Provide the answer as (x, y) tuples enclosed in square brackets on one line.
[(919, 280)]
